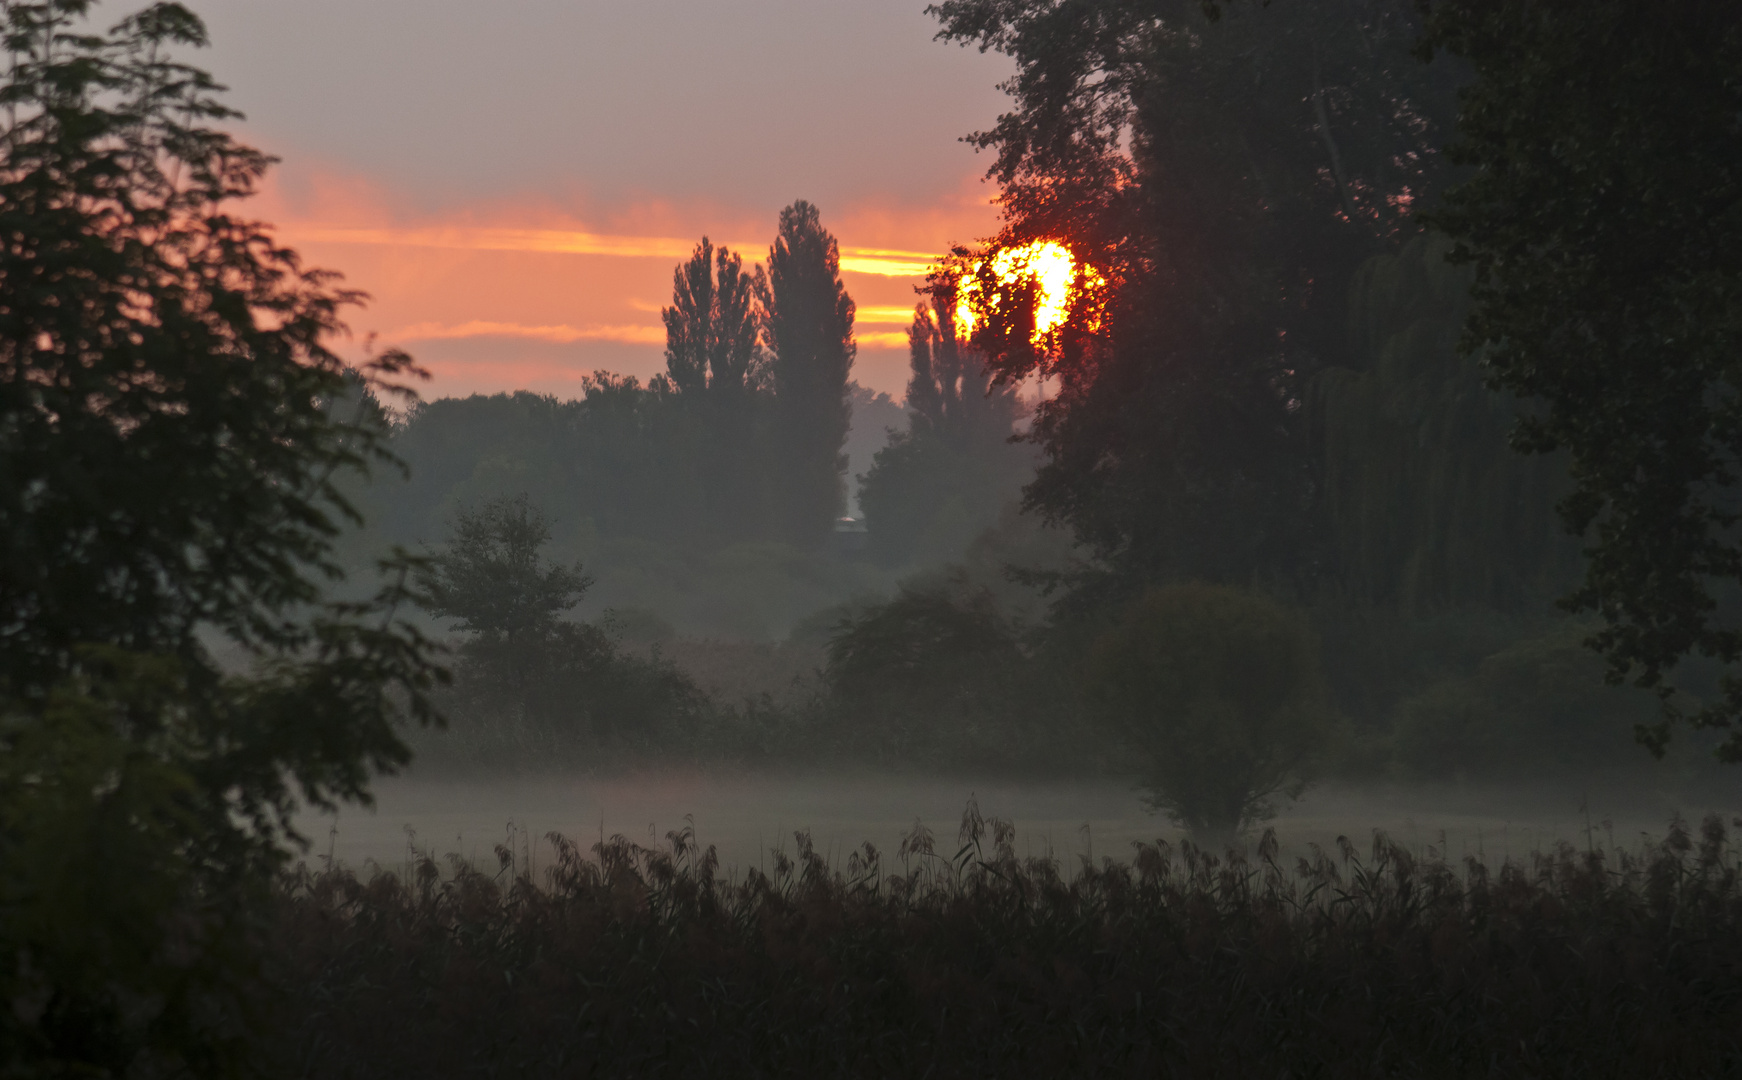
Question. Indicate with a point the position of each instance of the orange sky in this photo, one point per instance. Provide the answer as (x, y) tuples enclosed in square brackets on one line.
[(498, 296), (515, 190)]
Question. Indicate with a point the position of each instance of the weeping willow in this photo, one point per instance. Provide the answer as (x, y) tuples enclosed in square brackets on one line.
[(1426, 504)]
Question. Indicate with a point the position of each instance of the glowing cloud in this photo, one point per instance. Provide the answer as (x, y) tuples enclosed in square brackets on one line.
[(877, 261), (884, 314), (560, 335), (882, 339), (905, 266)]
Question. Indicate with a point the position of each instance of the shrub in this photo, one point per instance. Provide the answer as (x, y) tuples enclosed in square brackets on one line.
[(1219, 690), (1539, 705), (940, 676)]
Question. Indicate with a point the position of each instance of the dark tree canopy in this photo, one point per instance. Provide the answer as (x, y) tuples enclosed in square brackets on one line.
[(808, 330), (1604, 224), (523, 671), (173, 435), (1228, 179), (1423, 503)]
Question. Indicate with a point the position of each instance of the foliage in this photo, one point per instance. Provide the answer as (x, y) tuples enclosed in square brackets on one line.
[(1228, 180), (1537, 707), (529, 685), (491, 580), (122, 890), (1424, 504), (1602, 219), (712, 327), (641, 961), (623, 457), (1377, 656), (950, 391), (714, 359), (637, 473), (933, 487), (170, 471), (1219, 690), (808, 329), (929, 674)]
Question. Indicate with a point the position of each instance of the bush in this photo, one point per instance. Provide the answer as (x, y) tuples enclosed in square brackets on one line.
[(529, 686), (940, 676), (1219, 690), (1539, 705), (581, 702)]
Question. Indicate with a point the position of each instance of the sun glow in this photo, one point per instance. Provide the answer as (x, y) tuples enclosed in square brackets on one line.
[(1058, 280)]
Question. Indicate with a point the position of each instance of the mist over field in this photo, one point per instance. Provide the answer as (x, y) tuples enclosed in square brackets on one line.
[(749, 815)]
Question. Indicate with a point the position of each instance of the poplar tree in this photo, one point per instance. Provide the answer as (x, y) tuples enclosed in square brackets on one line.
[(714, 357), (945, 478), (808, 329), (950, 390), (712, 326)]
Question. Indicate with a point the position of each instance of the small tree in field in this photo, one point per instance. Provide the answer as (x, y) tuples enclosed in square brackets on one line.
[(537, 682), (492, 580), (1219, 689)]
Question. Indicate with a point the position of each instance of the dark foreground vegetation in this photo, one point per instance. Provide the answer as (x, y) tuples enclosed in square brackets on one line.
[(641, 962)]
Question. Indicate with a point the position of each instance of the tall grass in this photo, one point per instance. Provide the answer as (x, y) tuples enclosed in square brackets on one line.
[(968, 961)]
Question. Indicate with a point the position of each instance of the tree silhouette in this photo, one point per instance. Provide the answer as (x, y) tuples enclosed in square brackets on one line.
[(1228, 180), (808, 328), (1603, 223), (711, 329), (174, 435), (1219, 689), (714, 358), (492, 580), (950, 390), (949, 474)]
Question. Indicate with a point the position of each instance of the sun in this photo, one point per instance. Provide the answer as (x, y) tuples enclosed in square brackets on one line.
[(1057, 278)]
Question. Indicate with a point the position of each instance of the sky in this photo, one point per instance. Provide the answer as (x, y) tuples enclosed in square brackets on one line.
[(514, 182)]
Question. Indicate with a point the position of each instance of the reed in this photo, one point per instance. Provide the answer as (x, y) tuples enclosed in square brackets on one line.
[(970, 961)]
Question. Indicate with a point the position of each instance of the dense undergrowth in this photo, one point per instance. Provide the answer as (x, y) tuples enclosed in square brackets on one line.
[(642, 962)]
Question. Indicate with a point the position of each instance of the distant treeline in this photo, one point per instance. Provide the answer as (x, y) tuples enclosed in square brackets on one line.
[(733, 463)]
